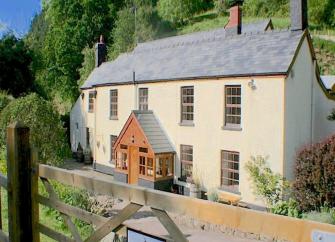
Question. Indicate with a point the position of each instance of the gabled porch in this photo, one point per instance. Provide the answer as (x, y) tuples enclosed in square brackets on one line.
[(144, 155)]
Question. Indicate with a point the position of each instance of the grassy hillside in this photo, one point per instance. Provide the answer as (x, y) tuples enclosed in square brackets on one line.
[(210, 20), (325, 54)]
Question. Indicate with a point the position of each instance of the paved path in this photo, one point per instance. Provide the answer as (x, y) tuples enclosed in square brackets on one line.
[(81, 168), (144, 219)]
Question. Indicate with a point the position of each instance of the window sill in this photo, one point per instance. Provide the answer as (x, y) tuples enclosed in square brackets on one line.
[(113, 118), (231, 128), (186, 124)]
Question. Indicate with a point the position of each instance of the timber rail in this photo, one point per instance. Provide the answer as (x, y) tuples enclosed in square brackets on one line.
[(24, 199)]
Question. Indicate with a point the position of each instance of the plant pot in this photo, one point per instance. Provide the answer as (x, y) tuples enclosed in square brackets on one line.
[(80, 156), (87, 159), (195, 192)]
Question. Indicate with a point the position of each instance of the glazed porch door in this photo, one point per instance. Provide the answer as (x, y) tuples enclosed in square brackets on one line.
[(133, 165)]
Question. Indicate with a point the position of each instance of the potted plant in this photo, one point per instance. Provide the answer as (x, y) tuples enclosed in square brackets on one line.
[(195, 191), (87, 156), (80, 154)]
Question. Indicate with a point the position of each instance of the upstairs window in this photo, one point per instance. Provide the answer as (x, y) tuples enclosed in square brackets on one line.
[(113, 104), (143, 99), (91, 96), (187, 104), (230, 170), (233, 106), (186, 159)]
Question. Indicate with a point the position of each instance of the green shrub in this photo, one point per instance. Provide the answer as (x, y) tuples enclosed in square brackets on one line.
[(268, 185), (71, 196), (326, 215), (213, 196), (314, 185), (286, 208), (3, 160), (178, 11), (46, 130)]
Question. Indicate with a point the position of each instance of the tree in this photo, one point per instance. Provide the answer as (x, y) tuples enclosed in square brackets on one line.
[(88, 65), (178, 11), (125, 35), (47, 132), (314, 185), (15, 60), (67, 27)]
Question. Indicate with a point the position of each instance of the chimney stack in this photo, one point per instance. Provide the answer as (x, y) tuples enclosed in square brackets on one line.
[(234, 26), (100, 52), (299, 16)]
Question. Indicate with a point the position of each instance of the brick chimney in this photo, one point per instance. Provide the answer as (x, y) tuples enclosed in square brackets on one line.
[(299, 16), (234, 26), (100, 52)]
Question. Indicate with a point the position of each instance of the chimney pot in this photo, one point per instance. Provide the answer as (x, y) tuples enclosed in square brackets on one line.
[(100, 52)]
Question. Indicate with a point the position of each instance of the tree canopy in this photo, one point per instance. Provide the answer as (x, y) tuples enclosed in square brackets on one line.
[(15, 60)]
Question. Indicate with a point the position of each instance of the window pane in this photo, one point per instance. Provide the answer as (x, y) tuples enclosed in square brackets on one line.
[(230, 170), (187, 102), (233, 105), (113, 103)]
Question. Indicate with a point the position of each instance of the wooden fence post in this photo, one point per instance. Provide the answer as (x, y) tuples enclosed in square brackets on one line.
[(21, 219)]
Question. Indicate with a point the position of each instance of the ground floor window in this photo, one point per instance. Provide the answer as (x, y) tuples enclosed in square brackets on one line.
[(146, 166), (164, 165), (122, 161), (230, 170), (186, 159)]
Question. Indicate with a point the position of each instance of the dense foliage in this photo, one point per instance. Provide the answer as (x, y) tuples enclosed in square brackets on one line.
[(178, 11), (314, 186), (322, 12), (87, 65), (46, 130), (266, 8), (268, 185), (15, 60), (4, 99), (67, 28)]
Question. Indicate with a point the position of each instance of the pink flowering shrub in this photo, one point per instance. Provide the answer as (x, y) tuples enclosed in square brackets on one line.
[(314, 186)]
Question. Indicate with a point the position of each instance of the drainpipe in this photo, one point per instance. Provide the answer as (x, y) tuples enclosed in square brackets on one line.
[(312, 101), (95, 128), (136, 91)]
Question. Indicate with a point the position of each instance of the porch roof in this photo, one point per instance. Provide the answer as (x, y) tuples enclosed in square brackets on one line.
[(154, 132)]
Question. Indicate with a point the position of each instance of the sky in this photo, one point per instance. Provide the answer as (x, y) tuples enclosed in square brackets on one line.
[(16, 15)]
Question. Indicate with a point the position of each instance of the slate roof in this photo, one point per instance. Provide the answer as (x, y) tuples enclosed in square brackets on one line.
[(201, 55), (154, 132), (328, 81)]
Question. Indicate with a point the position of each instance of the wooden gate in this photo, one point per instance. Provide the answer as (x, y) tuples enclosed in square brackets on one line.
[(24, 199)]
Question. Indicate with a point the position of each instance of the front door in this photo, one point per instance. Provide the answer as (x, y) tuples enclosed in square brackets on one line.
[(133, 165)]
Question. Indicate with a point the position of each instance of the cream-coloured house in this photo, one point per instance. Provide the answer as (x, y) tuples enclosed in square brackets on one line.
[(198, 106)]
